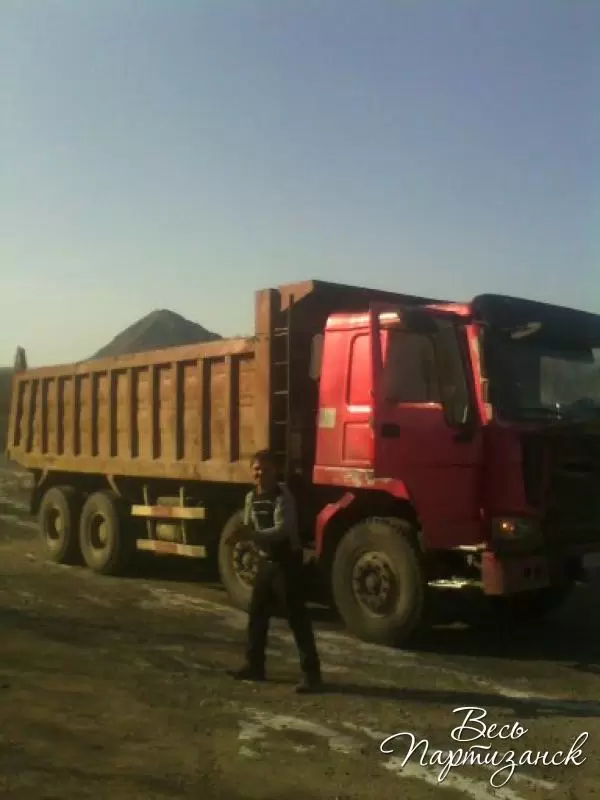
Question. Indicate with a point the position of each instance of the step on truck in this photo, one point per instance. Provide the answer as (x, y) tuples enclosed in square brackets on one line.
[(431, 446)]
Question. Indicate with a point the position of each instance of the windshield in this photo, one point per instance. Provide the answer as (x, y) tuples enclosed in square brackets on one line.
[(532, 378)]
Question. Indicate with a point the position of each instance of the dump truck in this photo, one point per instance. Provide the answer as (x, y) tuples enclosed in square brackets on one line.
[(432, 446)]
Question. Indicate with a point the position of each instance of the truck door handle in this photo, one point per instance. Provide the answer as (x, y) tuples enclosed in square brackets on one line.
[(390, 430)]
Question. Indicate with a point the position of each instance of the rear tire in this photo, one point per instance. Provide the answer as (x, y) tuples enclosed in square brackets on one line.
[(378, 582), (58, 518), (237, 563), (106, 545)]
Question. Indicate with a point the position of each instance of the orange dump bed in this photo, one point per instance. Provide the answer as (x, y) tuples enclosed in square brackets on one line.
[(185, 412)]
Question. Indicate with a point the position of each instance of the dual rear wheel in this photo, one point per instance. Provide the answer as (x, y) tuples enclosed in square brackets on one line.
[(93, 531)]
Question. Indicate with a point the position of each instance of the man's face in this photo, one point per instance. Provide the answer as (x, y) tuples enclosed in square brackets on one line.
[(264, 475)]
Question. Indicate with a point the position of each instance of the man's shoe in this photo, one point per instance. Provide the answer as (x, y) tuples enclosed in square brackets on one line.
[(249, 674), (310, 684)]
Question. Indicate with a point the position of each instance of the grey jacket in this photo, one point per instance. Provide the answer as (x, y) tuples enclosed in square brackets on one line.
[(285, 519)]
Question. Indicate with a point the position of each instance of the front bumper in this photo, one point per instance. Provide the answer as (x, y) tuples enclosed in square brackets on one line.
[(503, 575)]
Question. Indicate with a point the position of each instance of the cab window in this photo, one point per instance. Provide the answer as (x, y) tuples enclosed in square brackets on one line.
[(409, 372)]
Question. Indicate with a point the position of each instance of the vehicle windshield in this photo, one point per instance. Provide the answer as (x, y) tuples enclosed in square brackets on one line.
[(533, 378)]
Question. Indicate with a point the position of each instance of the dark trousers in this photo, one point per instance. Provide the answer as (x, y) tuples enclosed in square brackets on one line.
[(280, 585)]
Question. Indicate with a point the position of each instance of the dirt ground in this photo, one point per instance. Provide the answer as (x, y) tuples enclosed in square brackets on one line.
[(118, 688)]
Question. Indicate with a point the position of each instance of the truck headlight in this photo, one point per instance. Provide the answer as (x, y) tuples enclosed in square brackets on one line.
[(516, 533)]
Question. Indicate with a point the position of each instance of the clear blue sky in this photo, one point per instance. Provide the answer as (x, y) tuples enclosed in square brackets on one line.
[(181, 154)]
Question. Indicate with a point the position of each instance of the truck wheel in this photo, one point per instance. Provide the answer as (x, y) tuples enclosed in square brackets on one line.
[(237, 563), (57, 518), (106, 545), (378, 583)]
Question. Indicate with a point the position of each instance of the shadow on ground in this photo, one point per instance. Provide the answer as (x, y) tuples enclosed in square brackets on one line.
[(530, 706), (63, 629), (205, 571), (572, 636)]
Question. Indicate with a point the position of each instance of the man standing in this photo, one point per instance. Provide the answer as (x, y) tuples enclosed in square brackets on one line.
[(271, 522)]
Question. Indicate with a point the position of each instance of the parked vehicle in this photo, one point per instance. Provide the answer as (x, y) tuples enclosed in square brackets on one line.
[(430, 445)]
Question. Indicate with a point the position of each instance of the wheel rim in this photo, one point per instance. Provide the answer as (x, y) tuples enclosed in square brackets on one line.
[(245, 563), (55, 525), (98, 533), (375, 584)]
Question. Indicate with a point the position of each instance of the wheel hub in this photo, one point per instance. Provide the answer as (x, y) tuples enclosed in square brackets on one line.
[(245, 562), (55, 524), (98, 533), (374, 583)]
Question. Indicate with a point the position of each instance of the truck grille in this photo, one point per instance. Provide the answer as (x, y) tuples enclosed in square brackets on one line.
[(561, 475), (533, 454)]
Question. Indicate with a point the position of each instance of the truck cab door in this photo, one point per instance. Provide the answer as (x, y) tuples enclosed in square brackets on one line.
[(425, 431)]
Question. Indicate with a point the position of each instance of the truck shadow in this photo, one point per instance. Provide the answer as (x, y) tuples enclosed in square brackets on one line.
[(554, 640), (520, 707), (206, 573), (116, 641), (173, 568), (571, 636)]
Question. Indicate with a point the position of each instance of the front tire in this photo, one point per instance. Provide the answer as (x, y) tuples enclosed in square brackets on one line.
[(106, 546), (58, 517), (378, 582)]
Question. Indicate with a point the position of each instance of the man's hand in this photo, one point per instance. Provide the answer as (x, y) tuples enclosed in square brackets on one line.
[(245, 534)]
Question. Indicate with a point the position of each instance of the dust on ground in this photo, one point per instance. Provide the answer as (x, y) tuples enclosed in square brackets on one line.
[(118, 688)]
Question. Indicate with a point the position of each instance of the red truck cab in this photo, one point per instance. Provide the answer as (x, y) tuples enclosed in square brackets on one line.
[(473, 432)]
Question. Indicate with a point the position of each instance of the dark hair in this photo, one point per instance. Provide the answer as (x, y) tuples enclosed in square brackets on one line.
[(264, 457)]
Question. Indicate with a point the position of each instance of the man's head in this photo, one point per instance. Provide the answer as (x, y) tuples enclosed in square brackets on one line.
[(264, 470)]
